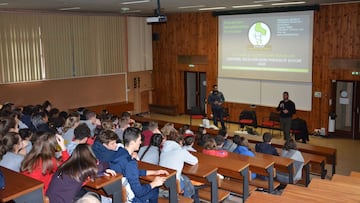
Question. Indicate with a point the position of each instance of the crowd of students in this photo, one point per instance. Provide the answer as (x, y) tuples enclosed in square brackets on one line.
[(65, 150)]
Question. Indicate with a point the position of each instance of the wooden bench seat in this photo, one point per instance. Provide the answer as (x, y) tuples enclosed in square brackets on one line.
[(317, 164), (234, 186), (181, 199), (257, 182), (205, 194)]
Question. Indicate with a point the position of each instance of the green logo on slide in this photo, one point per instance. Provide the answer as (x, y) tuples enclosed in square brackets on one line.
[(259, 34)]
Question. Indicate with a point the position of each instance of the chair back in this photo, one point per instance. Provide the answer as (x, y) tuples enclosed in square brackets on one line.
[(249, 114), (274, 117), (226, 112)]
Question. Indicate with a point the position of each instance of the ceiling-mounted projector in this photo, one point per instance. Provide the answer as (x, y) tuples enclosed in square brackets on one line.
[(158, 18)]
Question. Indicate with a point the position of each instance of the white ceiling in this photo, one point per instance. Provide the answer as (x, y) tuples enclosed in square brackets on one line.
[(146, 8)]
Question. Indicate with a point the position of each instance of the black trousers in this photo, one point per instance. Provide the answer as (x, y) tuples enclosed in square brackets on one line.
[(218, 113)]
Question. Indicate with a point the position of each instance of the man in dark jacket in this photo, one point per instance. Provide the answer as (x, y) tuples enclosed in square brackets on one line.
[(216, 100)]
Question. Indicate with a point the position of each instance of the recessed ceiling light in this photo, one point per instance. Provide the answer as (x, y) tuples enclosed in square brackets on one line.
[(186, 7), (248, 6), (288, 3), (69, 8), (135, 2), (4, 4), (211, 8), (132, 11), (266, 1)]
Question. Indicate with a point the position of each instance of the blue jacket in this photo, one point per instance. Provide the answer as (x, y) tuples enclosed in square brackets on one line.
[(128, 167), (104, 154), (247, 152)]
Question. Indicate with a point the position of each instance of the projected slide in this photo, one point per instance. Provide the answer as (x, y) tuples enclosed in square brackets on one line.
[(271, 46)]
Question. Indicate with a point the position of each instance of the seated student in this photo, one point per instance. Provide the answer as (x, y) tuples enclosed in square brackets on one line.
[(41, 163), (105, 147), (40, 122), (46, 106), (167, 128), (72, 121), (229, 145), (16, 114), (219, 141), (123, 124), (12, 151), (26, 135), (243, 148), (211, 148), (127, 166), (7, 124), (91, 121), (152, 128), (265, 147), (126, 115), (174, 156), (81, 136), (290, 151), (189, 141), (151, 153), (26, 115), (201, 136), (81, 167)]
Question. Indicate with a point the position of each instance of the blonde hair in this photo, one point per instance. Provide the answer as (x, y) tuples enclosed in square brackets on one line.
[(210, 144), (107, 125), (168, 127)]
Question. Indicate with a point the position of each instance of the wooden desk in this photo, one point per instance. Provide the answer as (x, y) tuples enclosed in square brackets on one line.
[(203, 173), (20, 188), (228, 167), (317, 163), (259, 166), (111, 185), (329, 153), (170, 182), (280, 163)]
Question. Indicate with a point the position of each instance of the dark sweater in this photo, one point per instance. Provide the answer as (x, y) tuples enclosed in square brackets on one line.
[(63, 189), (266, 149)]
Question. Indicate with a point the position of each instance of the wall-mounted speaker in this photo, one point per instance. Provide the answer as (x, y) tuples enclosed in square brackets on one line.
[(155, 36)]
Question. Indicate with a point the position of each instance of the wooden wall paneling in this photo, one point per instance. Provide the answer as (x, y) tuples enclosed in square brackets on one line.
[(67, 93), (183, 34), (336, 29), (140, 86)]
